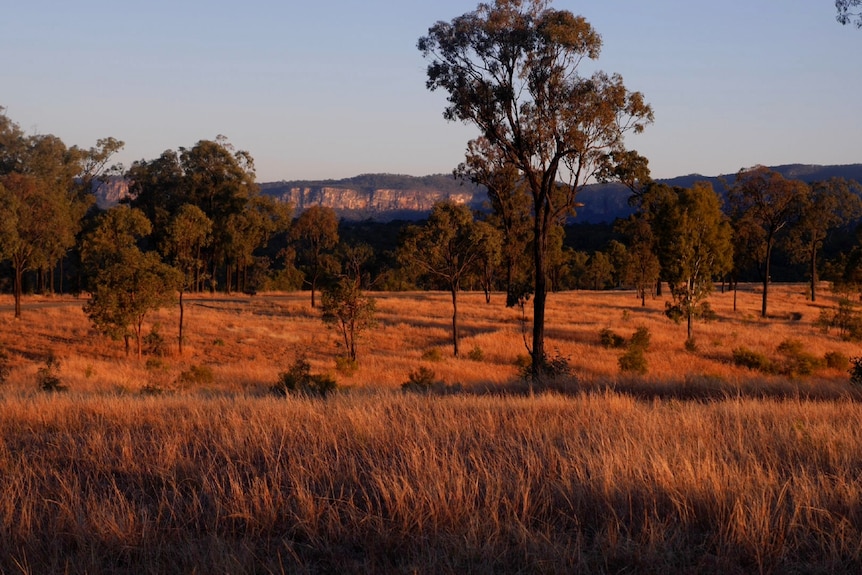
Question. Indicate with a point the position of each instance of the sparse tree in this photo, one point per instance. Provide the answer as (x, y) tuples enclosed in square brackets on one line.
[(316, 235), (770, 202), (642, 268), (512, 69), (694, 244), (599, 271), (827, 206), (349, 310), (487, 166), (188, 233), (445, 249)]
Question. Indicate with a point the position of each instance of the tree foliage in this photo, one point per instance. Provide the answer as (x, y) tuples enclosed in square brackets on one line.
[(761, 198), (350, 311), (315, 235), (125, 282), (694, 243), (446, 250), (513, 69), (848, 11)]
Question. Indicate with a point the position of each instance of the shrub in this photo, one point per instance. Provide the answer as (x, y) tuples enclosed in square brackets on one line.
[(691, 345), (298, 380), (196, 374), (5, 369), (856, 370), (796, 360), (745, 357), (476, 354), (345, 365), (154, 342), (836, 360), (421, 380), (610, 339), (48, 376), (640, 339), (633, 360), (557, 367), (433, 354)]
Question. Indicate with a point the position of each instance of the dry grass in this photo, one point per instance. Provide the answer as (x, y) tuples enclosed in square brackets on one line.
[(760, 473)]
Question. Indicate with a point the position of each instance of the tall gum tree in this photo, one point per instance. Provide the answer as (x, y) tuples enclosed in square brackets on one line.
[(512, 69), (761, 198)]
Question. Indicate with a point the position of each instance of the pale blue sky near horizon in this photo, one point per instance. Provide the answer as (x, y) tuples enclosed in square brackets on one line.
[(327, 90)]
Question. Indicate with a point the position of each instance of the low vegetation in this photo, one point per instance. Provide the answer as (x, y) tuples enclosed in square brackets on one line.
[(190, 462)]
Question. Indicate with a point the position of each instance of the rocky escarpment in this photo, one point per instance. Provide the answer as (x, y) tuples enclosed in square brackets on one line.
[(381, 204)]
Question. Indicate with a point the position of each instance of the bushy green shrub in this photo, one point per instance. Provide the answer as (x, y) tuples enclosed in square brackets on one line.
[(154, 342), (633, 361), (611, 340), (797, 361), (196, 374), (836, 360), (745, 357), (298, 380)]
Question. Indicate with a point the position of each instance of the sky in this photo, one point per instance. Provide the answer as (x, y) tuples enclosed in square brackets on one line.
[(328, 90)]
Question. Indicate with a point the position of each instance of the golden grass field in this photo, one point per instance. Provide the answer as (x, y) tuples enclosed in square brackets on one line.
[(699, 466)]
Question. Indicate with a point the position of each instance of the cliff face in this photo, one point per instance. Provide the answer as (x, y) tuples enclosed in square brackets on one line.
[(381, 204)]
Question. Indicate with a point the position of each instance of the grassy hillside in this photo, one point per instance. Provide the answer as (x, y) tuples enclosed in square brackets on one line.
[(190, 464)]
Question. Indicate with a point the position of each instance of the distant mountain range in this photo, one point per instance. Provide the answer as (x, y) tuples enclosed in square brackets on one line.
[(386, 197)]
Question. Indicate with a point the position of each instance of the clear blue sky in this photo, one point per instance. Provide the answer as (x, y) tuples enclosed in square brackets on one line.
[(318, 90)]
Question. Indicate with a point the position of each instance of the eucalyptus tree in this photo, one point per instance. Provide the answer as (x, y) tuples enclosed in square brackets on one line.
[(770, 202), (125, 282), (513, 69), (694, 243), (445, 250), (188, 233), (827, 206), (315, 235)]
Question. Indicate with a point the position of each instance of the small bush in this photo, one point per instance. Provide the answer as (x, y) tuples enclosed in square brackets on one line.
[(298, 380), (836, 360), (5, 369), (611, 340), (421, 380), (557, 367), (523, 363), (346, 366), (48, 376), (796, 360), (745, 357), (196, 374), (691, 345), (640, 339), (633, 361), (856, 370), (154, 342), (218, 342), (476, 354), (433, 354)]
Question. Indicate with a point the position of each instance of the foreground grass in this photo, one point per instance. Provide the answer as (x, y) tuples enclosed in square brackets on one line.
[(386, 482)]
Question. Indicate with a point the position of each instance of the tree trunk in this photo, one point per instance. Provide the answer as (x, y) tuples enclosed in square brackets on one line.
[(19, 278), (813, 273), (455, 319), (766, 277), (182, 314), (540, 296)]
